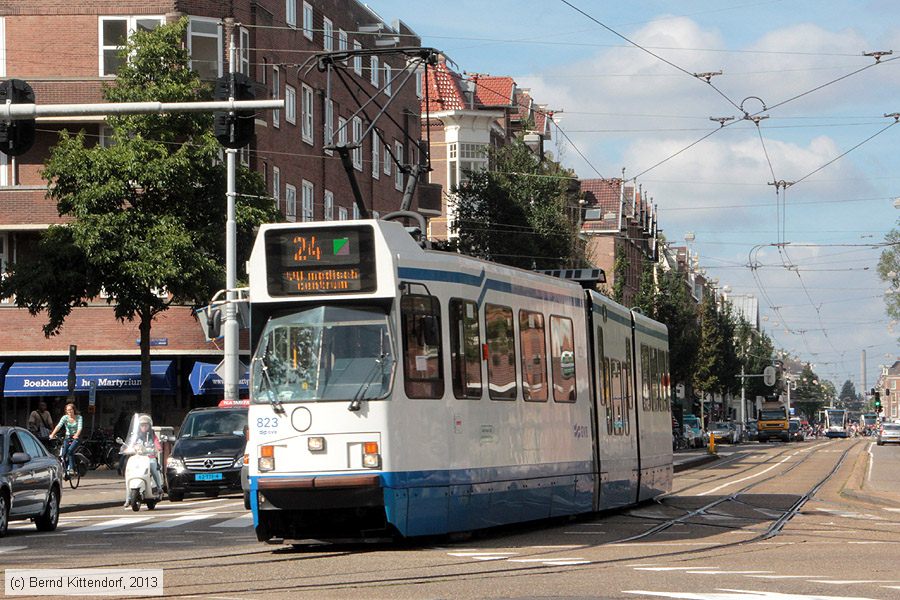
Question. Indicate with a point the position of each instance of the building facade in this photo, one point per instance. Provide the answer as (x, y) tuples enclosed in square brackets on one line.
[(294, 150)]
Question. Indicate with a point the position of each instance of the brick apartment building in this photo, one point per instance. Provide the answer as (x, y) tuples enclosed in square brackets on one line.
[(619, 218), (465, 116), (889, 383), (67, 50)]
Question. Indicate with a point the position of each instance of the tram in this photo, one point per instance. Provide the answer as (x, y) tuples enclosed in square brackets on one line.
[(398, 392), (836, 421)]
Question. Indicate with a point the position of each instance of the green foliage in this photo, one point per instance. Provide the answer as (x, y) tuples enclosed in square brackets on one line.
[(887, 264), (148, 212), (646, 296), (620, 274), (848, 391), (523, 212), (809, 395), (757, 351), (708, 375), (676, 309)]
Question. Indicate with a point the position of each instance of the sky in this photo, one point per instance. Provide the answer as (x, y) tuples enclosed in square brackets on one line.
[(619, 76)]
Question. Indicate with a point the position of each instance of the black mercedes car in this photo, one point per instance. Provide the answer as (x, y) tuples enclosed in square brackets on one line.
[(30, 481), (208, 452)]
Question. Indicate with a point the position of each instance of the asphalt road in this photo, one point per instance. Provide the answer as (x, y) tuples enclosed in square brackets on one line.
[(734, 528)]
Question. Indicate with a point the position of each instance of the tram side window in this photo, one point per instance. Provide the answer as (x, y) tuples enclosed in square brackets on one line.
[(421, 323), (501, 343), (654, 378), (666, 383), (645, 378), (465, 349), (534, 356), (628, 380), (602, 371), (562, 358), (608, 392), (616, 382)]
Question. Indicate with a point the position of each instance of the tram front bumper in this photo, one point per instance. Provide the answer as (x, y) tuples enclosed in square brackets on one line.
[(320, 492)]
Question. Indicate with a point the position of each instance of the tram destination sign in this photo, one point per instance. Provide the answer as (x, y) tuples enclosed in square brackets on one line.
[(333, 260)]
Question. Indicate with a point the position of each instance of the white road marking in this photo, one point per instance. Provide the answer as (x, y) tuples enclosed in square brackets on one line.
[(782, 576), (120, 522), (726, 594), (726, 572), (853, 581), (12, 548), (672, 568), (724, 485), (177, 521), (477, 554), (241, 521), (548, 560), (892, 509), (871, 460)]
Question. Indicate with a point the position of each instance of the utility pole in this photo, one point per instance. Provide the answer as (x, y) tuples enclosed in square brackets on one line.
[(230, 325)]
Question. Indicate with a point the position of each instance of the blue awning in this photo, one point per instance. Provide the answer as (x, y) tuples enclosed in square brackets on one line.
[(205, 380), (51, 379)]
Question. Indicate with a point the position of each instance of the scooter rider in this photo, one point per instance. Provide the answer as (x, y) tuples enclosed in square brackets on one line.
[(146, 437)]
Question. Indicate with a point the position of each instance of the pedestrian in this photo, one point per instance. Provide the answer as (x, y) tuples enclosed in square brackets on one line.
[(72, 423), (40, 421)]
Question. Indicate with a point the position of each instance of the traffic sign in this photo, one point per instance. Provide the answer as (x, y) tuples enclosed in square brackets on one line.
[(769, 375)]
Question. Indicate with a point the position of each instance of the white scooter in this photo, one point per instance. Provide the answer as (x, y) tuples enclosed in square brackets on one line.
[(138, 479)]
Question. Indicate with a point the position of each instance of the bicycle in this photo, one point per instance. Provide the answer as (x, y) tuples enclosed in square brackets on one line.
[(80, 461)]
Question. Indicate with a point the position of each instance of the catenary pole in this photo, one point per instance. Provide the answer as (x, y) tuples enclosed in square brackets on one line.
[(230, 325)]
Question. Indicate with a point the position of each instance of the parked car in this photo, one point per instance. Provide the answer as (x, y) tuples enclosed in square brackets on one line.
[(888, 433), (30, 481), (751, 432), (209, 451), (698, 438), (724, 432)]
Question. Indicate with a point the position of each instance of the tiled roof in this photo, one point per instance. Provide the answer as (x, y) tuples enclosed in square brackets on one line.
[(601, 198), (444, 89), (494, 91)]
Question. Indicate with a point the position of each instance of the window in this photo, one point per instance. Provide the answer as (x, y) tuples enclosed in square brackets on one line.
[(290, 198), (501, 343), (327, 34), (306, 124), (276, 187), (534, 356), (276, 94), (357, 142), (452, 165), (290, 12), (562, 358), (357, 59), (387, 79), (355, 211), (655, 380), (328, 125), (290, 104), (205, 46), (329, 206), (420, 321), (307, 20), (376, 155), (342, 213), (4, 255), (627, 383), (373, 70), (398, 174), (343, 41), (616, 425), (472, 158), (465, 349), (262, 71), (419, 83), (114, 33), (308, 194), (645, 378), (342, 131), (388, 159), (4, 167), (244, 51)]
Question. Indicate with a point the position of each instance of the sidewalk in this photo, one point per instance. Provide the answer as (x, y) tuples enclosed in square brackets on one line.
[(689, 459), (100, 488)]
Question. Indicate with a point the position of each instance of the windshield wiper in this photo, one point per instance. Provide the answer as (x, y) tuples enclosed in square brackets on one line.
[(377, 369), (273, 397)]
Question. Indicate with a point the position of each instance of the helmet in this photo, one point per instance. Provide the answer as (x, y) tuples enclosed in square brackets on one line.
[(145, 419)]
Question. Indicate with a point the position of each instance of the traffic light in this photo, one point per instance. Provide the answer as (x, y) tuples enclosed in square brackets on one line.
[(877, 401), (234, 130), (16, 137)]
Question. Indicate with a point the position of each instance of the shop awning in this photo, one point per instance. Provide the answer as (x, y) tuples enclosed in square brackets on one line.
[(51, 378), (205, 380)]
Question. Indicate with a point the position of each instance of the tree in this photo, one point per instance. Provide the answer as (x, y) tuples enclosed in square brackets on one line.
[(620, 274), (889, 271), (848, 392), (523, 212), (808, 397), (148, 212), (757, 351), (709, 377), (675, 308)]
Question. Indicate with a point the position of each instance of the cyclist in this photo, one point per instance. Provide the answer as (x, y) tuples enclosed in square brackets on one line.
[(71, 422)]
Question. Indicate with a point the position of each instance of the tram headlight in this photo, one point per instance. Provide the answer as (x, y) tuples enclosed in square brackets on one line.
[(371, 457), (315, 444), (266, 460)]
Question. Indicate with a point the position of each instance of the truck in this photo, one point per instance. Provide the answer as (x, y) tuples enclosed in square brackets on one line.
[(773, 421)]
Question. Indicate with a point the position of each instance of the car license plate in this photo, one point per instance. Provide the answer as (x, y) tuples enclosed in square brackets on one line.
[(207, 476)]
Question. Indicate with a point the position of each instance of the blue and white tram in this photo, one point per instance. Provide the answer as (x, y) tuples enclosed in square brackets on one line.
[(400, 391)]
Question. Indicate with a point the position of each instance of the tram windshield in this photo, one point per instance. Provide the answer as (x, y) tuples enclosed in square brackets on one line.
[(325, 353)]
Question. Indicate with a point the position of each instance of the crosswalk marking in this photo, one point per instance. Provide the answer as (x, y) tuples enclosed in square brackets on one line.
[(175, 522), (241, 521), (112, 524)]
